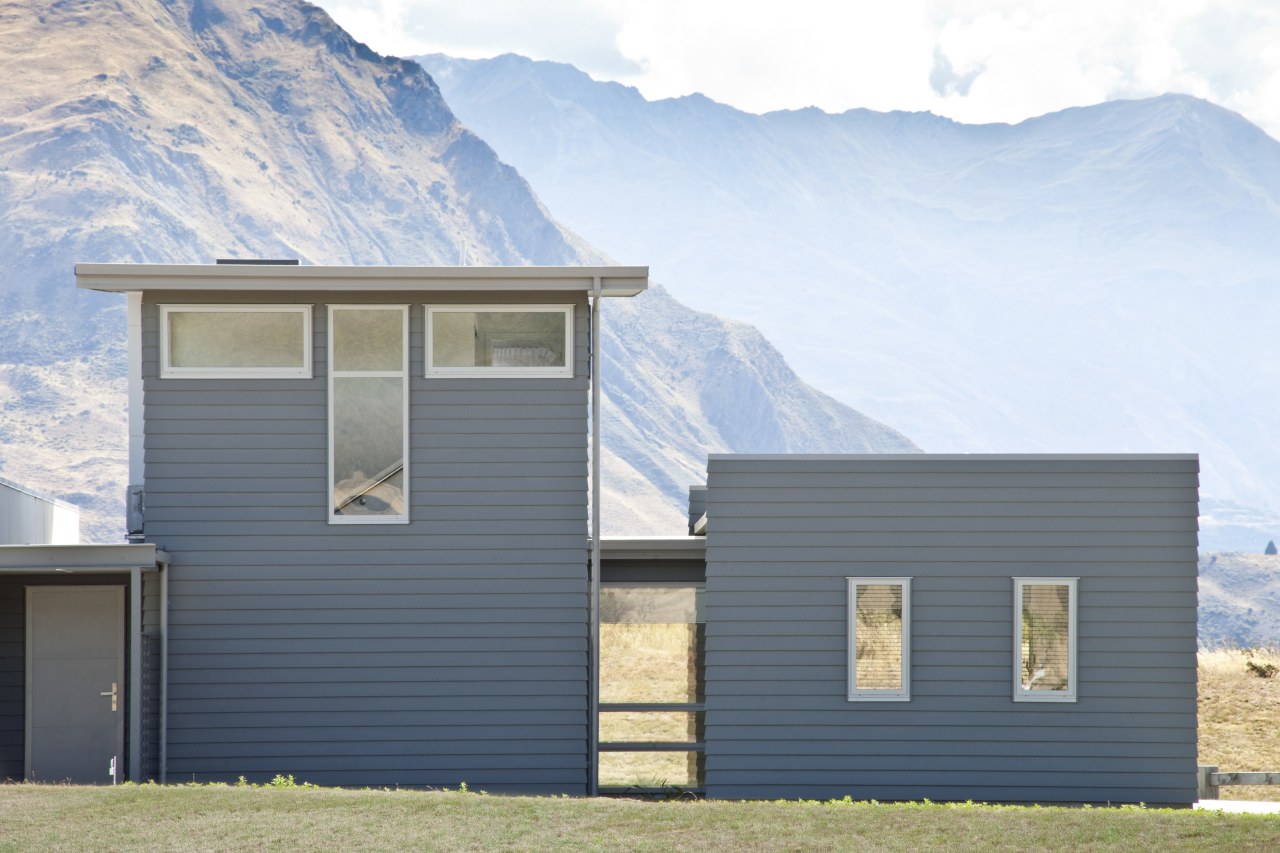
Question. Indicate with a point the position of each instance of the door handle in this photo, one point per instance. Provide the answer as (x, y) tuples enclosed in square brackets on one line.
[(113, 694)]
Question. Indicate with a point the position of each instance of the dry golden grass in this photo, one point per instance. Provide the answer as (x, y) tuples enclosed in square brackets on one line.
[(1240, 717), (646, 662)]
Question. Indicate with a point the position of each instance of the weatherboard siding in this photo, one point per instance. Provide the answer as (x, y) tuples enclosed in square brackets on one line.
[(451, 649), (785, 533)]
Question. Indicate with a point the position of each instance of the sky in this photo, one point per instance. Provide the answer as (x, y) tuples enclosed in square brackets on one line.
[(971, 60)]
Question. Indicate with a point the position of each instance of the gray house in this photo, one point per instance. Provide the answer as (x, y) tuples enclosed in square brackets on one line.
[(362, 553)]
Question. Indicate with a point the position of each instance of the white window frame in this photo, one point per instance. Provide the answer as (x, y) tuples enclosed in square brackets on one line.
[(403, 375), (431, 370), (1021, 694), (168, 371), (878, 694)]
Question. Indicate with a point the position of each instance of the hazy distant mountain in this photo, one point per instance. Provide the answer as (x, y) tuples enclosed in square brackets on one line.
[(1099, 279), (1240, 600), (161, 131)]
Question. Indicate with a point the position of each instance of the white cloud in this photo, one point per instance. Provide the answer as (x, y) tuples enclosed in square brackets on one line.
[(972, 60)]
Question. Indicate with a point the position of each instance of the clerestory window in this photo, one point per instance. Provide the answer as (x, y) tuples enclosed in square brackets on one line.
[(499, 340), (235, 341)]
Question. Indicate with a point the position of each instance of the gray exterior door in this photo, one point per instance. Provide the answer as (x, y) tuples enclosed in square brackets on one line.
[(75, 683)]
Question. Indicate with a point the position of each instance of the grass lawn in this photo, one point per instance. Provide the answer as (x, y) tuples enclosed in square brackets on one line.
[(1239, 730), (1240, 717), (189, 818)]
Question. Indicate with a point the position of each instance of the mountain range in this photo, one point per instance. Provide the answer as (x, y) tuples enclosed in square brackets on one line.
[(1099, 279), (183, 130)]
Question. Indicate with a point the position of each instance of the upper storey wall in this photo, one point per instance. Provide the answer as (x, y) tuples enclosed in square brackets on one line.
[(448, 649)]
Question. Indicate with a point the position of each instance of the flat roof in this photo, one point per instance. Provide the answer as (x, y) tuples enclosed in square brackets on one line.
[(18, 487), (653, 547), (124, 278), (70, 559), (950, 457)]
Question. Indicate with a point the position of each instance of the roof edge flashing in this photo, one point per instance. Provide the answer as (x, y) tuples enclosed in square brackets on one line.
[(948, 457), (123, 278)]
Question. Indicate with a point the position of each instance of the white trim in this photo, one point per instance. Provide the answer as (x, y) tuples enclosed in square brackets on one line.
[(403, 375), (559, 372), (168, 371), (878, 694), (137, 433), (117, 278), (1020, 694)]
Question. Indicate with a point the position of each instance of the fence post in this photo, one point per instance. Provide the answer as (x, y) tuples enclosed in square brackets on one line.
[(1206, 787)]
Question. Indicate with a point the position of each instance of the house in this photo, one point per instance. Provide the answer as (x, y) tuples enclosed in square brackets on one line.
[(362, 517)]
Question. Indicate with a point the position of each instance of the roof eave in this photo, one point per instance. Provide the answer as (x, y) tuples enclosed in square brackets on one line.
[(125, 278)]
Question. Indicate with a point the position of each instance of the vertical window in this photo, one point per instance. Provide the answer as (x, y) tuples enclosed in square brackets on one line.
[(368, 414), (1044, 639), (235, 341), (879, 639), (499, 340)]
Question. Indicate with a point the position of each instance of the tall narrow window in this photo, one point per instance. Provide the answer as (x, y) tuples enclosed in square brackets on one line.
[(1044, 639), (499, 340), (880, 639), (368, 414)]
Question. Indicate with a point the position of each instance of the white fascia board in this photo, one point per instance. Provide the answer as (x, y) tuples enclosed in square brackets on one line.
[(80, 558), (951, 457), (652, 547), (123, 278)]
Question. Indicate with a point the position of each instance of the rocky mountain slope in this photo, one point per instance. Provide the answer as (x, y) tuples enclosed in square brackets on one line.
[(1240, 600), (1092, 280), (183, 130)]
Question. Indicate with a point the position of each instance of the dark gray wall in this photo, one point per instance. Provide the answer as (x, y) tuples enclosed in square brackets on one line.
[(450, 649), (784, 535)]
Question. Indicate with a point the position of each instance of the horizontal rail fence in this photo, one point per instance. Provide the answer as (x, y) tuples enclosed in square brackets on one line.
[(1209, 780)]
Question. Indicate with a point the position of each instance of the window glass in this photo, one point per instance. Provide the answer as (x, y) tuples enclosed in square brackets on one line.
[(368, 414), (368, 340), (650, 726), (879, 633), (231, 341), (1046, 636), (650, 644), (879, 636), (368, 446), (649, 770), (498, 341)]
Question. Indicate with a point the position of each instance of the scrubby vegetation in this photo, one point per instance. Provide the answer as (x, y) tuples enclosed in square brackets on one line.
[(1240, 715)]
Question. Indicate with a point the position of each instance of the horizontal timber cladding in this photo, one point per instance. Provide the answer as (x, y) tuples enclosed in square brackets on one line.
[(450, 649), (785, 533)]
